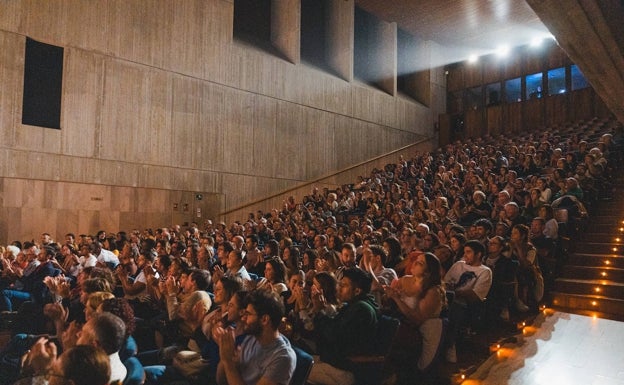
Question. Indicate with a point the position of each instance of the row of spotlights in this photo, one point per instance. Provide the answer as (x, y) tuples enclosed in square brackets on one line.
[(504, 50)]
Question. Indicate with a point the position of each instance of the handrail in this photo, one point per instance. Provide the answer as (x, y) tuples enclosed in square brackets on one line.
[(319, 179)]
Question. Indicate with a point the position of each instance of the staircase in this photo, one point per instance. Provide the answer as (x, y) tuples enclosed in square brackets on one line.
[(592, 280)]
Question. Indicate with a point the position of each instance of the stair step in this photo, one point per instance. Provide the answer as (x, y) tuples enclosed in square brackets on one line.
[(603, 237), (598, 228), (605, 288), (590, 303), (593, 272), (596, 260), (599, 248), (613, 220)]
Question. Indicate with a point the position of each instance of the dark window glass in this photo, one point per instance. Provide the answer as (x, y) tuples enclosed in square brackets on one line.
[(578, 79), (556, 81), (493, 94), (364, 65), (474, 98), (313, 33), (513, 90), (43, 80), (252, 21), (534, 86)]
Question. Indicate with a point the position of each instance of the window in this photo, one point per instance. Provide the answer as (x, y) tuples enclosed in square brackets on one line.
[(406, 60), (252, 21), (364, 65), (474, 98), (313, 32), (556, 81), (43, 80), (513, 90), (578, 79), (493, 94), (534, 86)]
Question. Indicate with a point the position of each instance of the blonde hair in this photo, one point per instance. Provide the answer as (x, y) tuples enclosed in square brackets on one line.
[(96, 299)]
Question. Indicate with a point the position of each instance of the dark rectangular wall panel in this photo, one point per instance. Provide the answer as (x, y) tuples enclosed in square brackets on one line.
[(43, 80)]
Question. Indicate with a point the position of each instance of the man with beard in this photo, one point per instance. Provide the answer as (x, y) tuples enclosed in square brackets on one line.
[(265, 356)]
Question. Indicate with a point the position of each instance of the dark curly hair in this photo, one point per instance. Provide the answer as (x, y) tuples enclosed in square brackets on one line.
[(122, 309)]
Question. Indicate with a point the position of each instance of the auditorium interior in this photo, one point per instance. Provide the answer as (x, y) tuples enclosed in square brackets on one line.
[(123, 115)]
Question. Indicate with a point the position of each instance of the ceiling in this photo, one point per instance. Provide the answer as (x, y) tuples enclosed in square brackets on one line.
[(591, 32), (478, 26)]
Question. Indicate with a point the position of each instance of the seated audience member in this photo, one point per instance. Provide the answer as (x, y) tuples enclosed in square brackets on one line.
[(502, 293), (224, 289), (348, 333), (106, 331), (33, 287), (470, 280), (122, 309), (526, 254), (274, 277), (373, 260), (420, 298), (80, 365), (265, 356), (551, 227)]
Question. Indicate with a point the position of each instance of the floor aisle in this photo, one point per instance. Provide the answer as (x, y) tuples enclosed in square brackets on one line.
[(561, 348)]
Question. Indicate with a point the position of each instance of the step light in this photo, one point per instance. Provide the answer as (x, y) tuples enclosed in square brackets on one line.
[(594, 303), (597, 289), (604, 273), (607, 262)]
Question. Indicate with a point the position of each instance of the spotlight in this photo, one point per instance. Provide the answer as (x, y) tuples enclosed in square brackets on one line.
[(502, 51), (536, 42), (473, 59)]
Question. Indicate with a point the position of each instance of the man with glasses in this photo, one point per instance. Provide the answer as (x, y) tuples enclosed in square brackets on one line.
[(265, 355)]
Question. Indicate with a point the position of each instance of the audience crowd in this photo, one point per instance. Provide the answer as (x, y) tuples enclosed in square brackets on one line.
[(469, 233)]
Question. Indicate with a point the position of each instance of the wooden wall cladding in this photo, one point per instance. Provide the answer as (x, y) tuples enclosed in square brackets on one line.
[(556, 109), (473, 75), (31, 207), (533, 114), (157, 95), (474, 123), (582, 104), (494, 116), (492, 69), (513, 118), (455, 78)]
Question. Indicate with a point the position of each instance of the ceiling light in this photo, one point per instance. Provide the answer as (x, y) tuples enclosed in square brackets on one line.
[(502, 51), (473, 59), (536, 42)]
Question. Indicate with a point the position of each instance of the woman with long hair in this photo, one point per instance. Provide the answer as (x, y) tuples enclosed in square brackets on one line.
[(420, 298)]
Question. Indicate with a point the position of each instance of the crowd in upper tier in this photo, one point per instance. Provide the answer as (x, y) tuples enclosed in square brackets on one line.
[(447, 242)]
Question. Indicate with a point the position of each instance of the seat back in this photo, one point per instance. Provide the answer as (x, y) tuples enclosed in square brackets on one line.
[(136, 374), (387, 328), (302, 368)]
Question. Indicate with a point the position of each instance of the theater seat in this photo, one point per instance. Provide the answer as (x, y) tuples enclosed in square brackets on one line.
[(302, 368)]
